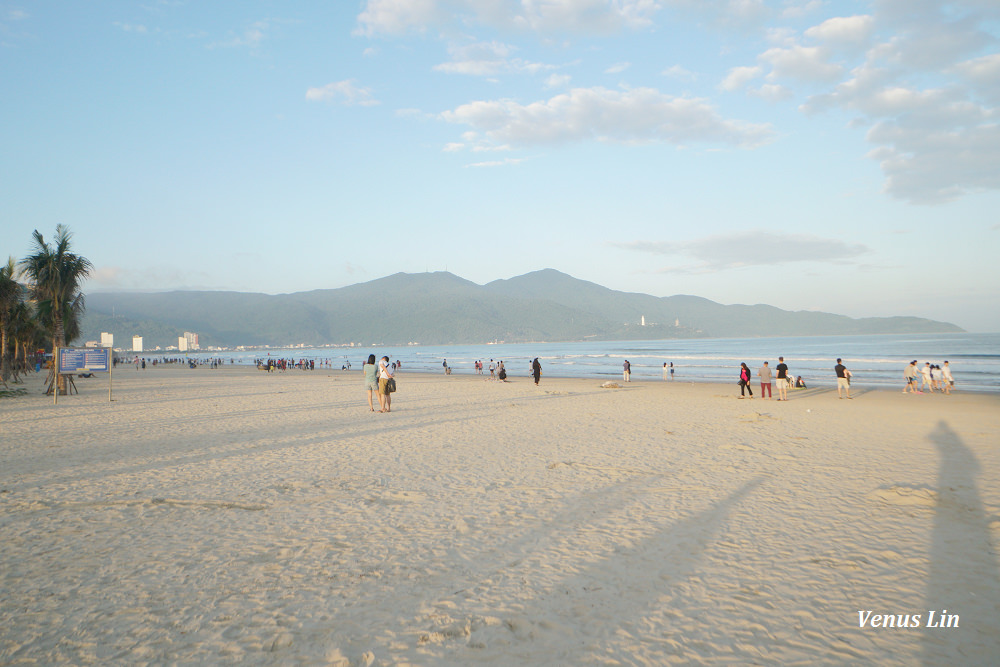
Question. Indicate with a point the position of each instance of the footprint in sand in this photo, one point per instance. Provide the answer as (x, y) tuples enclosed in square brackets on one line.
[(742, 448), (907, 496)]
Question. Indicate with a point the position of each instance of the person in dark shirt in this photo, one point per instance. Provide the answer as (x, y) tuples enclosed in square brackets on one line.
[(781, 377), (843, 379)]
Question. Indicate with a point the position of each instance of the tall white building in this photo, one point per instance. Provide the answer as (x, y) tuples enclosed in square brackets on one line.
[(182, 343), (137, 343), (192, 341), (107, 339)]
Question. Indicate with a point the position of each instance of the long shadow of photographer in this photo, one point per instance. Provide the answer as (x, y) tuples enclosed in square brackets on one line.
[(963, 577)]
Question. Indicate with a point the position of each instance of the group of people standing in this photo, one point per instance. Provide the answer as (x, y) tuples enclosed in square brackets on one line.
[(497, 370), (930, 377), (780, 374)]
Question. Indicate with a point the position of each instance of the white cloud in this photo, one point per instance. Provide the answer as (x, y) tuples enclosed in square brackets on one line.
[(497, 163), (844, 31), (678, 72), (752, 248), (929, 166), (928, 94), (559, 16), (984, 74), (771, 92), (738, 13), (487, 59), (617, 68), (344, 91), (804, 63), (640, 115), (558, 80), (796, 10), (399, 16), (739, 77)]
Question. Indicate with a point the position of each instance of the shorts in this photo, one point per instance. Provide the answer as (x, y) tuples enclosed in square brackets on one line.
[(371, 385), (842, 382), (911, 380), (381, 385)]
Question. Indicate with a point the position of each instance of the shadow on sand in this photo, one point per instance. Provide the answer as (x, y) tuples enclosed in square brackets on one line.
[(963, 574)]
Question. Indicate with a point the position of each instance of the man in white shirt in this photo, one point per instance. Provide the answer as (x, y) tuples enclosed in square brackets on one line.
[(384, 373)]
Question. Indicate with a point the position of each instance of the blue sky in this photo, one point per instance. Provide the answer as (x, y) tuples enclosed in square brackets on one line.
[(808, 154)]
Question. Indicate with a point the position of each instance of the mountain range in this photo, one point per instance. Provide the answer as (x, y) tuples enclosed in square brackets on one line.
[(441, 308)]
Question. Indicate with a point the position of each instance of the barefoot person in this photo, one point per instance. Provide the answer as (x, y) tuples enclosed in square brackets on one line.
[(371, 380), (536, 370), (745, 380), (843, 379), (910, 377), (384, 397), (949, 380), (782, 373)]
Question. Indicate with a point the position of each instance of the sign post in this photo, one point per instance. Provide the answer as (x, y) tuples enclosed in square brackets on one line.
[(90, 359)]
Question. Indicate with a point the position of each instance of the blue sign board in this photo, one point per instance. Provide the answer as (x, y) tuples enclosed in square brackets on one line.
[(92, 359)]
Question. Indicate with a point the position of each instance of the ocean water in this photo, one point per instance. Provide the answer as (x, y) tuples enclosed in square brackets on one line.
[(875, 361)]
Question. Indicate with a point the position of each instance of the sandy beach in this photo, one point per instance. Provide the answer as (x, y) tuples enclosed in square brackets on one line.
[(234, 516)]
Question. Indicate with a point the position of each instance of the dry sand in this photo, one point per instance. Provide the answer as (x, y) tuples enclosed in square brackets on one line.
[(223, 516)]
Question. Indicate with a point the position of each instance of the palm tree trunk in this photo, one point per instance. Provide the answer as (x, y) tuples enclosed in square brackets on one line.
[(58, 340), (4, 355)]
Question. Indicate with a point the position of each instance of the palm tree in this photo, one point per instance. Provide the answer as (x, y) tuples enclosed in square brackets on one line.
[(55, 275), (27, 334), (10, 296)]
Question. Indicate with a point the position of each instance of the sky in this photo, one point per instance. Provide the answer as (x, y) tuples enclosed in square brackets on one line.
[(808, 154)]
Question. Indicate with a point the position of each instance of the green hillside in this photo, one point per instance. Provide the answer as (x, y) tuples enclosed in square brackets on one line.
[(434, 308)]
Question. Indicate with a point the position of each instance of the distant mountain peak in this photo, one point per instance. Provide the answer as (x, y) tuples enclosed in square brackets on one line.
[(436, 307)]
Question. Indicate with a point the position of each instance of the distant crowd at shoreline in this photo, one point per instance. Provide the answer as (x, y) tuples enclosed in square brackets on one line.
[(929, 378)]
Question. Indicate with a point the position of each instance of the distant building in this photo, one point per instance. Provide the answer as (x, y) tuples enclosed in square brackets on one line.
[(182, 344), (137, 343), (192, 341), (643, 323), (107, 339)]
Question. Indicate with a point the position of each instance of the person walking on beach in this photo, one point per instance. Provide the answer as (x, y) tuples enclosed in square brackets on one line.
[(536, 370), (948, 381), (745, 380), (493, 370), (843, 379), (671, 370), (627, 371), (936, 377), (370, 370), (925, 378), (782, 372), (664, 371), (384, 397), (765, 382), (910, 376)]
